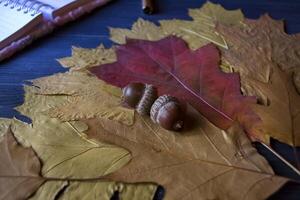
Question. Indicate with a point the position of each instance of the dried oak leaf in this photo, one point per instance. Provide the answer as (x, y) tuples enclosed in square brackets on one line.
[(83, 58), (267, 59), (94, 190), (66, 153), (192, 76), (19, 169), (86, 97), (202, 162), (104, 191), (61, 146), (50, 190), (19, 179)]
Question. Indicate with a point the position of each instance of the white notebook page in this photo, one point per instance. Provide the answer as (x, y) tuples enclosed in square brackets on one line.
[(12, 21)]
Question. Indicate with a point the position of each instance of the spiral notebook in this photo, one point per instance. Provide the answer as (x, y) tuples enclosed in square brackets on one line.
[(22, 21)]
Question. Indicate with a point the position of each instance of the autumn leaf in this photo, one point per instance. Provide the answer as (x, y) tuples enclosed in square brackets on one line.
[(269, 42), (105, 190), (141, 29), (85, 97), (83, 58), (62, 145), (4, 125), (94, 190), (36, 105), (198, 32), (20, 178), (19, 169), (66, 154), (269, 71), (216, 13), (237, 151), (193, 76), (280, 114), (50, 190), (201, 162)]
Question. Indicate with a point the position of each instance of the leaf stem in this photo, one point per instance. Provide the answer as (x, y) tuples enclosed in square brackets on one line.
[(281, 158)]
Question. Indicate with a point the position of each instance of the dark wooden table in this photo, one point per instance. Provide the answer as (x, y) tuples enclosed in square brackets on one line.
[(39, 59)]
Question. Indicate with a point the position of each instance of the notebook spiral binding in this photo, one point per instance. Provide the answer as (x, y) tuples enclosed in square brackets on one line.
[(31, 7)]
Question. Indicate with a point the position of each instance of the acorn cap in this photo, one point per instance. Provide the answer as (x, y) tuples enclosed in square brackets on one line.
[(167, 112), (148, 98)]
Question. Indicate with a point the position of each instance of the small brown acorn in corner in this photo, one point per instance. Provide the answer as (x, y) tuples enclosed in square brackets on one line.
[(168, 113), (139, 96)]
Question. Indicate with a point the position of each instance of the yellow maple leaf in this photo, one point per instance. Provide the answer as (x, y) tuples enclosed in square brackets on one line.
[(84, 96), (83, 58)]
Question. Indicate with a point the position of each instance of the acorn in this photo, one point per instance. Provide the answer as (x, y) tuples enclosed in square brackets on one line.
[(139, 96), (168, 113)]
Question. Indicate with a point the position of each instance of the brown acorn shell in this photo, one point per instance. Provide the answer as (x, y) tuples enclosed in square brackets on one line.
[(132, 94)]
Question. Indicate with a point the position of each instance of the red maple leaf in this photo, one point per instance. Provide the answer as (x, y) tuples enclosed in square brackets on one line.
[(192, 76)]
